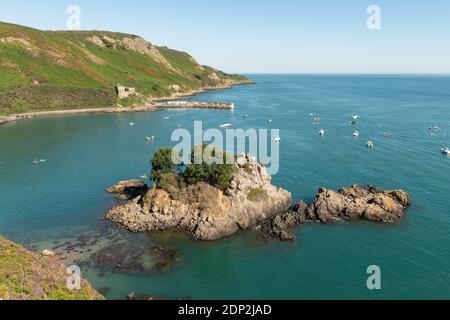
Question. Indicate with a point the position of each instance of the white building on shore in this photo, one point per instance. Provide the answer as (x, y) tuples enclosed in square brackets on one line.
[(177, 103)]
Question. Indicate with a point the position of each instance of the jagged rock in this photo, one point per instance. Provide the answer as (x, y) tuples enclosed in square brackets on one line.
[(369, 203), (128, 189), (281, 226), (204, 211)]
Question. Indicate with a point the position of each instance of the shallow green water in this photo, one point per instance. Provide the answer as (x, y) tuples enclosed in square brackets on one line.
[(64, 197)]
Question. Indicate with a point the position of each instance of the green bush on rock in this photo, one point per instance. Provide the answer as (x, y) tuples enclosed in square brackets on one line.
[(215, 174), (162, 163)]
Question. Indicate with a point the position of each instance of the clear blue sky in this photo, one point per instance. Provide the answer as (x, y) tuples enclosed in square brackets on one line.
[(260, 36)]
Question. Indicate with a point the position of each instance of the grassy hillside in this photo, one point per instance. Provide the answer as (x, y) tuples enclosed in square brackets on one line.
[(56, 70), (27, 276)]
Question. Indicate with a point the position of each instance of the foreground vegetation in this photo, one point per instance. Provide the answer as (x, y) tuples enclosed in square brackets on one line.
[(27, 276), (56, 70)]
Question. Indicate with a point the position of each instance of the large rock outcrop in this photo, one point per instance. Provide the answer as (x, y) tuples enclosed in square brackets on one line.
[(205, 211), (366, 203)]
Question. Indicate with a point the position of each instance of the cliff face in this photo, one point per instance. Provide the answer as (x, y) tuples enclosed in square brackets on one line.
[(204, 211), (27, 276)]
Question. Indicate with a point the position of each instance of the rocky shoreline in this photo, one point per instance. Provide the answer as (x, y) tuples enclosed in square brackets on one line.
[(32, 115), (150, 107)]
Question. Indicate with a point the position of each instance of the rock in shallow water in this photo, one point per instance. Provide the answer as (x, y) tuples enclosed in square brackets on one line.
[(131, 258)]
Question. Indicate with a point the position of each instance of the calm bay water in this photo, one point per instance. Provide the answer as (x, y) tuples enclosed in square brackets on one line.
[(64, 197)]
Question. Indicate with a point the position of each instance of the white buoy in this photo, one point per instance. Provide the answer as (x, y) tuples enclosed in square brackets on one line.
[(321, 132)]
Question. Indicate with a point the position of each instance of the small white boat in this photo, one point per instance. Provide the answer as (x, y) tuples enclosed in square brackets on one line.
[(150, 138), (321, 132), (132, 124), (316, 120), (277, 140), (36, 161), (445, 151), (144, 177), (42, 160), (226, 125), (166, 118), (355, 117), (270, 121), (370, 145), (246, 116), (356, 134), (435, 127)]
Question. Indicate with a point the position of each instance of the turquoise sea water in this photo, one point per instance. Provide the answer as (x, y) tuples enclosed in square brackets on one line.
[(64, 197)]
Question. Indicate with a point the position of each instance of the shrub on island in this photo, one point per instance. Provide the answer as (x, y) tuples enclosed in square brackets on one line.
[(166, 172)]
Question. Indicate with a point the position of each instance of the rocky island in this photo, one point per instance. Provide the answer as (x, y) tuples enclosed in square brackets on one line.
[(208, 208), (246, 200)]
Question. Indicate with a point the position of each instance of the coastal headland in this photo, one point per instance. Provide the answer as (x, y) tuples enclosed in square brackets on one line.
[(95, 72)]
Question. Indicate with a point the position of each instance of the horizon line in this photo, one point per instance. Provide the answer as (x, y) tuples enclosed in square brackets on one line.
[(343, 73)]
